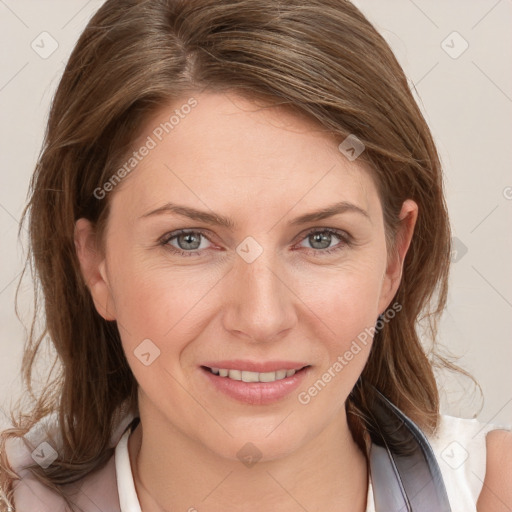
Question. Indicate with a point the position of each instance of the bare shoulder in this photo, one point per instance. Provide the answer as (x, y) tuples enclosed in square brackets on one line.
[(496, 495)]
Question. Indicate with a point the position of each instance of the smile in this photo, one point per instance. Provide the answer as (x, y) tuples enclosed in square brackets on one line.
[(248, 376), (256, 387)]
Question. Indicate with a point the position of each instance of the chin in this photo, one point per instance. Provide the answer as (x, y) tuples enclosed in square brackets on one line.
[(255, 443)]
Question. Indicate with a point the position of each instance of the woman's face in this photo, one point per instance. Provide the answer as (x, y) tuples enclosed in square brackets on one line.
[(265, 292)]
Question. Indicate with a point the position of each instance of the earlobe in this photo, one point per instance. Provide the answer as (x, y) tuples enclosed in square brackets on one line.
[(93, 267), (408, 216)]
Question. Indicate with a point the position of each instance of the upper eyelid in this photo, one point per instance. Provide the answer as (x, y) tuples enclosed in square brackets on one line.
[(340, 233)]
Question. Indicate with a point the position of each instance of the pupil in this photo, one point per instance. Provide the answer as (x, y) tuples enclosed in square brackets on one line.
[(187, 237), (318, 238)]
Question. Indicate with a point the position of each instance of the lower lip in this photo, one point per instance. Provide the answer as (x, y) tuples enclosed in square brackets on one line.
[(256, 393)]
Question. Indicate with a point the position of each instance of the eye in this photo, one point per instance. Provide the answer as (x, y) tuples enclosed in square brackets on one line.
[(321, 239), (189, 242)]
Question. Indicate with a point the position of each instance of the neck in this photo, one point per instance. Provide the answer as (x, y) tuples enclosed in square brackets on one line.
[(173, 472)]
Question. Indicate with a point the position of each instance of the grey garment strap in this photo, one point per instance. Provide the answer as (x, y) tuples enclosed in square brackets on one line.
[(404, 471)]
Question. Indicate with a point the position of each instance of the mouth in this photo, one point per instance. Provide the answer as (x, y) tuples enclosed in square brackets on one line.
[(241, 382), (250, 376)]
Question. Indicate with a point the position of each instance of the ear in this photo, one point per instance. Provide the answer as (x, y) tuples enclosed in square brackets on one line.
[(408, 216), (93, 266)]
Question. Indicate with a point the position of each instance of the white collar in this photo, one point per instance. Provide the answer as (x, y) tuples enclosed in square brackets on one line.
[(128, 499)]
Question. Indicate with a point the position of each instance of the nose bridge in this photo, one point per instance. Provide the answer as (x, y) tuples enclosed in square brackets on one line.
[(261, 305)]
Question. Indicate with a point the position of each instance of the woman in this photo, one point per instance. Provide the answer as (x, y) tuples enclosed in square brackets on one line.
[(229, 223)]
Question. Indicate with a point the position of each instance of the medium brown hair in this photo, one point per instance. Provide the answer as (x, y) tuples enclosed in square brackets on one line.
[(321, 58)]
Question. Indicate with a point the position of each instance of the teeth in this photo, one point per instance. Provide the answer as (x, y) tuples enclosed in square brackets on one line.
[(235, 374), (267, 377), (247, 376), (280, 374), (250, 376)]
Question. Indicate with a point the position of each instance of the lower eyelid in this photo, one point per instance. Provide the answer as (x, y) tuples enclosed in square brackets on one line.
[(344, 240), (339, 236), (166, 239)]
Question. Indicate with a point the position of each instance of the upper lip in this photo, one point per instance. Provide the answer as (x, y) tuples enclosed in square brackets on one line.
[(256, 366)]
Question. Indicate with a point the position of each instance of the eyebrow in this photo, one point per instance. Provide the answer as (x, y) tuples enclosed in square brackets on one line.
[(220, 220)]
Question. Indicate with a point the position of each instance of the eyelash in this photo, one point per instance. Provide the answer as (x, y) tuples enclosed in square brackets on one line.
[(342, 235)]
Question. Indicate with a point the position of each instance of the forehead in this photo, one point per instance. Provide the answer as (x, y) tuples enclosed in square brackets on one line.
[(209, 149)]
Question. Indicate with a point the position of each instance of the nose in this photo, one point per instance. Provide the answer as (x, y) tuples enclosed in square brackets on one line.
[(259, 305)]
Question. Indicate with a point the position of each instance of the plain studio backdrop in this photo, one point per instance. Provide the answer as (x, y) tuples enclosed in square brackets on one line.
[(457, 57)]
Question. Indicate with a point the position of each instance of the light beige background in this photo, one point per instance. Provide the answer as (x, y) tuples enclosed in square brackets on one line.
[(467, 100)]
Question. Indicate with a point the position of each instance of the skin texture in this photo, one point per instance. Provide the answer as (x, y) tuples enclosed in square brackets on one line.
[(262, 167), (496, 495)]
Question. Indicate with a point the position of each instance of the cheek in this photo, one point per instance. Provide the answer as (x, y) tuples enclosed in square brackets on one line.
[(346, 299), (157, 317), (160, 303), (346, 310)]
